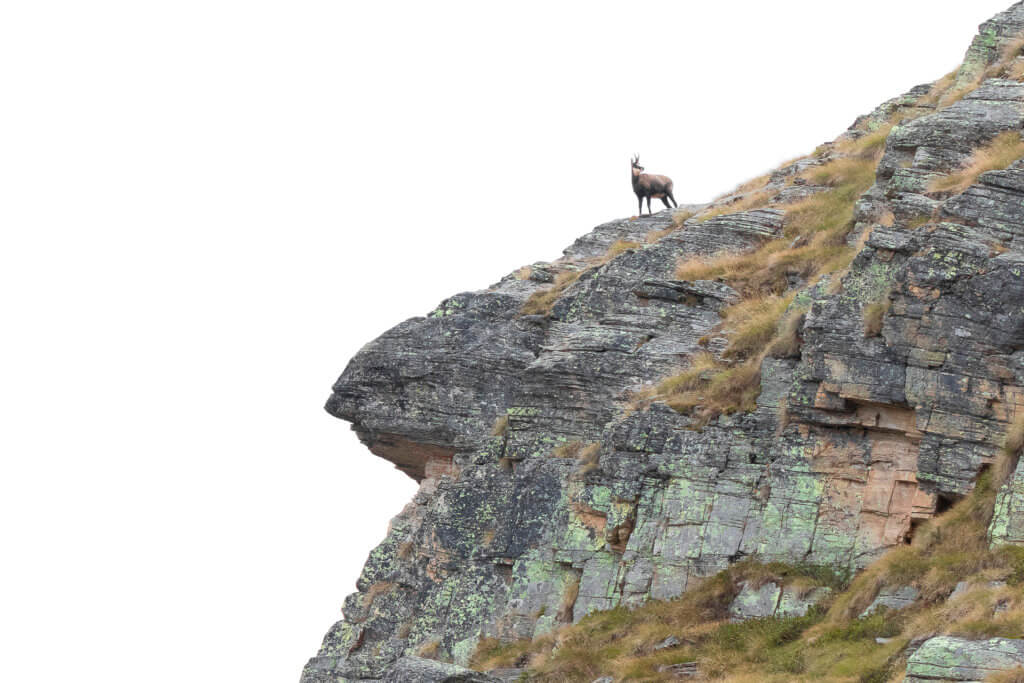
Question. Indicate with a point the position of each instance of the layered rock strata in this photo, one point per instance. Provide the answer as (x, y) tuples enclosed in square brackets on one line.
[(854, 441)]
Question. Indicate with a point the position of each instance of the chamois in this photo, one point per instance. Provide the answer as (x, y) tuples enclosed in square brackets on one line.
[(648, 185)]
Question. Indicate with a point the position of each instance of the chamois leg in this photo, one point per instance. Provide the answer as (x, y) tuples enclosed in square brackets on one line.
[(640, 206), (665, 202), (674, 205), (648, 205)]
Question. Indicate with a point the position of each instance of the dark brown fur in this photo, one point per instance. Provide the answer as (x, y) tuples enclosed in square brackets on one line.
[(648, 185)]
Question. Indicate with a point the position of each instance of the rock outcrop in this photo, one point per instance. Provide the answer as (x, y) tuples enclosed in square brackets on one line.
[(956, 659), (854, 440)]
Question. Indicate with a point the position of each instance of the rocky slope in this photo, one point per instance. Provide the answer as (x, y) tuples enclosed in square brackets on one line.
[(560, 475)]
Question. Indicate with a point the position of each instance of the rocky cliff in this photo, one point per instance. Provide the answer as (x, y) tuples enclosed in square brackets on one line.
[(804, 371)]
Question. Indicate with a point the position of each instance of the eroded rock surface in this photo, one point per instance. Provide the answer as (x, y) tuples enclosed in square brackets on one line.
[(854, 440), (945, 658)]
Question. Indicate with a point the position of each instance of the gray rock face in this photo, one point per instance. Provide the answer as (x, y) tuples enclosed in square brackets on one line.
[(419, 670), (479, 402), (771, 600), (894, 598), (945, 658)]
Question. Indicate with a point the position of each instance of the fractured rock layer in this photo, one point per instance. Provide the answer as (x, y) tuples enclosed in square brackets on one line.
[(852, 442)]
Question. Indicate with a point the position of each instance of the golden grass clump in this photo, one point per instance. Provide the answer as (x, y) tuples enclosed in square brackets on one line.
[(681, 216), (709, 387), (541, 302), (867, 146), (832, 210), (617, 248), (938, 89), (874, 314), (787, 341), (728, 390), (570, 449), (568, 601), (768, 269), (429, 649), (1003, 150), (1014, 676), (753, 323), (589, 459), (524, 273), (500, 426)]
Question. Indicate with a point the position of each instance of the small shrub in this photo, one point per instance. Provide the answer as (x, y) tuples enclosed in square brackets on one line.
[(1002, 151)]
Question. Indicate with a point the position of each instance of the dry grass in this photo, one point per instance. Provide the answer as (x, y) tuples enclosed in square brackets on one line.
[(787, 342), (818, 224), (429, 649), (655, 235), (867, 146), (506, 464), (722, 391), (874, 315), (565, 607), (770, 269), (569, 449), (753, 324), (620, 642), (541, 303), (405, 550), (831, 211), (589, 459), (500, 426), (709, 387), (376, 590), (680, 217), (1002, 151), (938, 89), (524, 273), (619, 247), (1015, 676)]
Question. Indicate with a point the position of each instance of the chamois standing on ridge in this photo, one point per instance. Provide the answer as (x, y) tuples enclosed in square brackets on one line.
[(649, 185)]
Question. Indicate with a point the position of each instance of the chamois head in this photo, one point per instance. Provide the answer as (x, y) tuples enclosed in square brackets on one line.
[(637, 168)]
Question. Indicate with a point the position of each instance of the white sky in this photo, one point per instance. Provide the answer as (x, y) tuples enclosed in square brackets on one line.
[(208, 207)]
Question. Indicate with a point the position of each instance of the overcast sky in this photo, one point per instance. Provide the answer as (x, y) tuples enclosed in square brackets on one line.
[(208, 207)]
